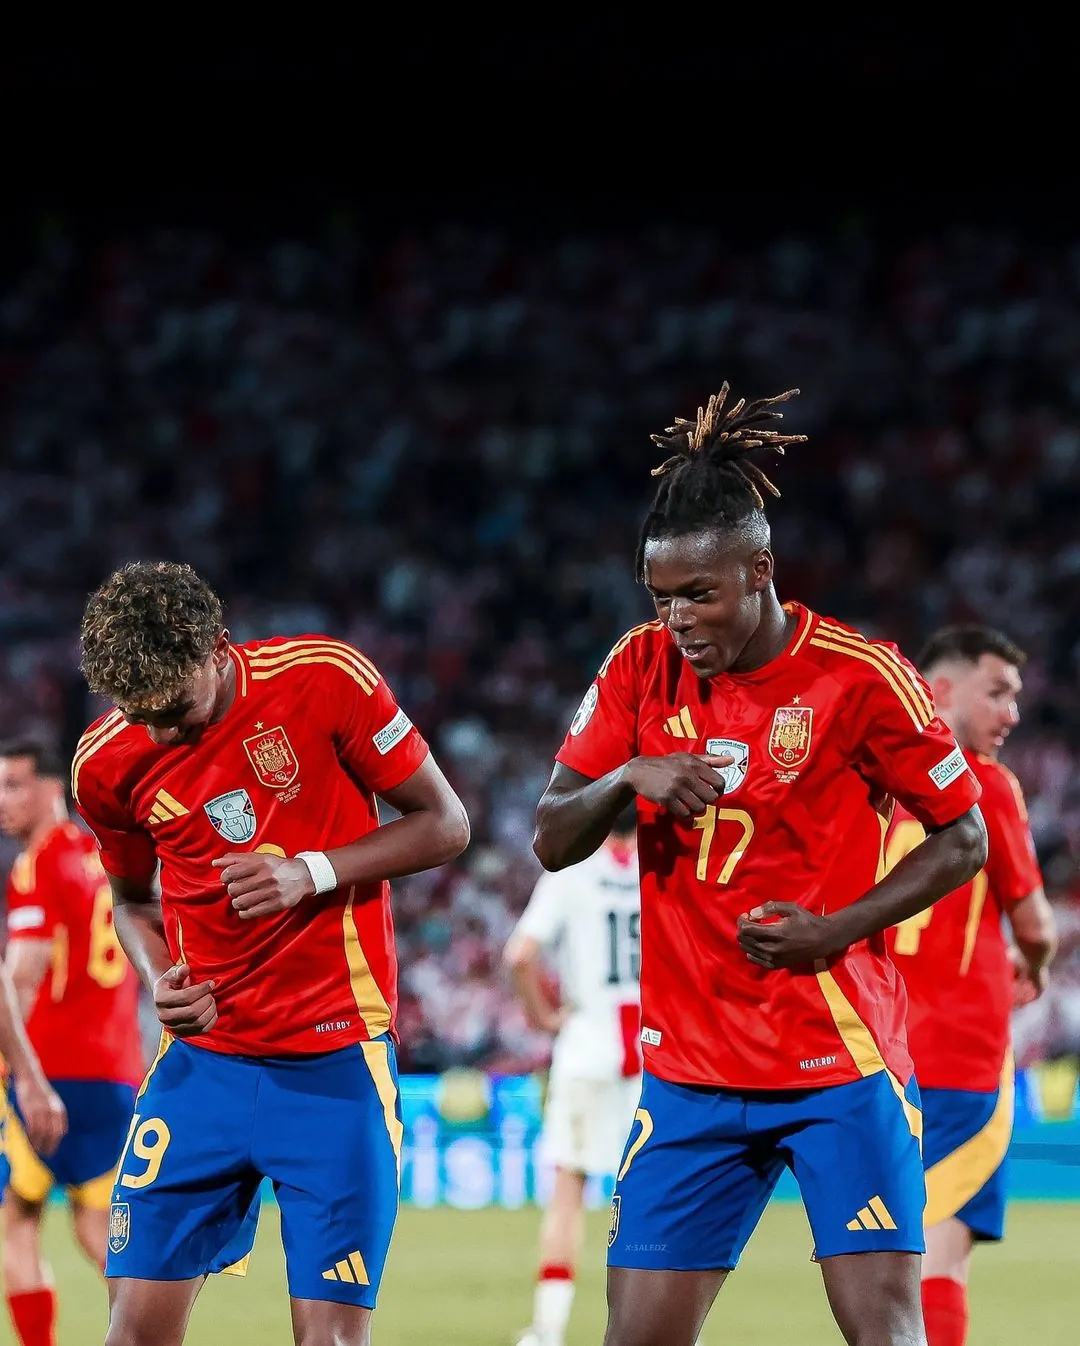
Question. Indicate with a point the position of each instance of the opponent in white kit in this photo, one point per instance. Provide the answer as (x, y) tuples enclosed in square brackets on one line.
[(587, 917)]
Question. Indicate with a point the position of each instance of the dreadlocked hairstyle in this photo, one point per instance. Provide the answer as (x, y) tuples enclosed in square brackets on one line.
[(709, 480)]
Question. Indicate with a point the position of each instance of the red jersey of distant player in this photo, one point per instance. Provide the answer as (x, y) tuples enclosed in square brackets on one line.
[(313, 735), (822, 736), (953, 956), (85, 1021)]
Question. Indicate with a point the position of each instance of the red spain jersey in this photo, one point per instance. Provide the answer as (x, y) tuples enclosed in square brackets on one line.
[(85, 1021), (953, 955), (823, 737), (313, 735)]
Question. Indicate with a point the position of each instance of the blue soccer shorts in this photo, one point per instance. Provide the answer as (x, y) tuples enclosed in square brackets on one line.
[(965, 1142), (85, 1160), (700, 1165), (325, 1130)]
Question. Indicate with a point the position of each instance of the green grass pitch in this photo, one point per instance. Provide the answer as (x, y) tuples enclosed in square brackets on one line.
[(459, 1278)]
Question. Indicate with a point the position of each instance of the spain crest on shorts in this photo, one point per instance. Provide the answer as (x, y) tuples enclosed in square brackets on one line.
[(613, 1222), (119, 1226), (789, 738), (272, 756)]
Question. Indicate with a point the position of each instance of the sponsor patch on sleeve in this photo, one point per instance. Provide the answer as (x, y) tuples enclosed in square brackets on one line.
[(26, 918), (948, 769), (390, 733)]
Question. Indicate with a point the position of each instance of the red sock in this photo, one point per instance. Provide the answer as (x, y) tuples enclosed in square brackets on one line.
[(34, 1316), (945, 1311), (555, 1271)]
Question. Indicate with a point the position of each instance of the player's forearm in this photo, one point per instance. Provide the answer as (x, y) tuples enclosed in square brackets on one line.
[(407, 845), (15, 1045), (141, 933), (28, 961), (1038, 954), (944, 861), (25, 998), (573, 823), (1035, 932), (538, 1009)]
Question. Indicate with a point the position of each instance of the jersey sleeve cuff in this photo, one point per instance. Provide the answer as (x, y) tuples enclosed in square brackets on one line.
[(951, 806), (583, 767), (398, 772)]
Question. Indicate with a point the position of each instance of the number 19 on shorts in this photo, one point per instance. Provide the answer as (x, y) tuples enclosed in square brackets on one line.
[(147, 1141)]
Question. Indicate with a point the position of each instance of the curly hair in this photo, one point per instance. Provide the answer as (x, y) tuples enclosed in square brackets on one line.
[(146, 630), (709, 481)]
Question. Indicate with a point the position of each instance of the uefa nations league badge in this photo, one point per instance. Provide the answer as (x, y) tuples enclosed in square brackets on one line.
[(735, 774), (233, 815)]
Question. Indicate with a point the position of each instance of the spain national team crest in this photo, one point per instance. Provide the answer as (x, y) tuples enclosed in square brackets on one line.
[(613, 1222), (119, 1226), (789, 739), (272, 756), (233, 815)]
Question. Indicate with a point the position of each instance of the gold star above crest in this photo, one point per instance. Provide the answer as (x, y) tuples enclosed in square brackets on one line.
[(794, 701), (258, 725)]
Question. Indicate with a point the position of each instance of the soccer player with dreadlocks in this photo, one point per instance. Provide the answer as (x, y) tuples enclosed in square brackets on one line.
[(764, 745), (242, 778)]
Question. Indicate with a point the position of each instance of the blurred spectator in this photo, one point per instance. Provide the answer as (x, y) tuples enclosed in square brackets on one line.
[(437, 447)]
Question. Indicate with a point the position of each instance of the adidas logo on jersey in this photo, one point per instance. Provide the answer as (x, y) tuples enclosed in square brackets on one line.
[(165, 809), (681, 725)]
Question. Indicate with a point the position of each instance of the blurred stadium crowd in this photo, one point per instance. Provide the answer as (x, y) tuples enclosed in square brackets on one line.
[(437, 446)]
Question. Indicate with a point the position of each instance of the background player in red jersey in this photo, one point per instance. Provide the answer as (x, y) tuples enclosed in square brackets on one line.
[(80, 999), (961, 979), (763, 744), (44, 1120), (249, 773)]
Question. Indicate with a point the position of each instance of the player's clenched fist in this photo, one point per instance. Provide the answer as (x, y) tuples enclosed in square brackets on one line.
[(684, 783), (783, 934), (185, 1007), (261, 884)]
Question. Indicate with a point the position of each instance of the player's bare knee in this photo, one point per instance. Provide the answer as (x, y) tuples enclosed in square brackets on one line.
[(625, 1331), (146, 1313), (892, 1317), (142, 1330), (333, 1329), (911, 1334)]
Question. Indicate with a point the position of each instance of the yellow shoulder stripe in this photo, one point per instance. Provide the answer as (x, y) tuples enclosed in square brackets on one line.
[(291, 649), (92, 735), (869, 654), (88, 745), (261, 674), (900, 666), (623, 641)]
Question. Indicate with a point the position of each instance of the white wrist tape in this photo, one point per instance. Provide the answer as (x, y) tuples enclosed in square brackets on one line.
[(320, 869)]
